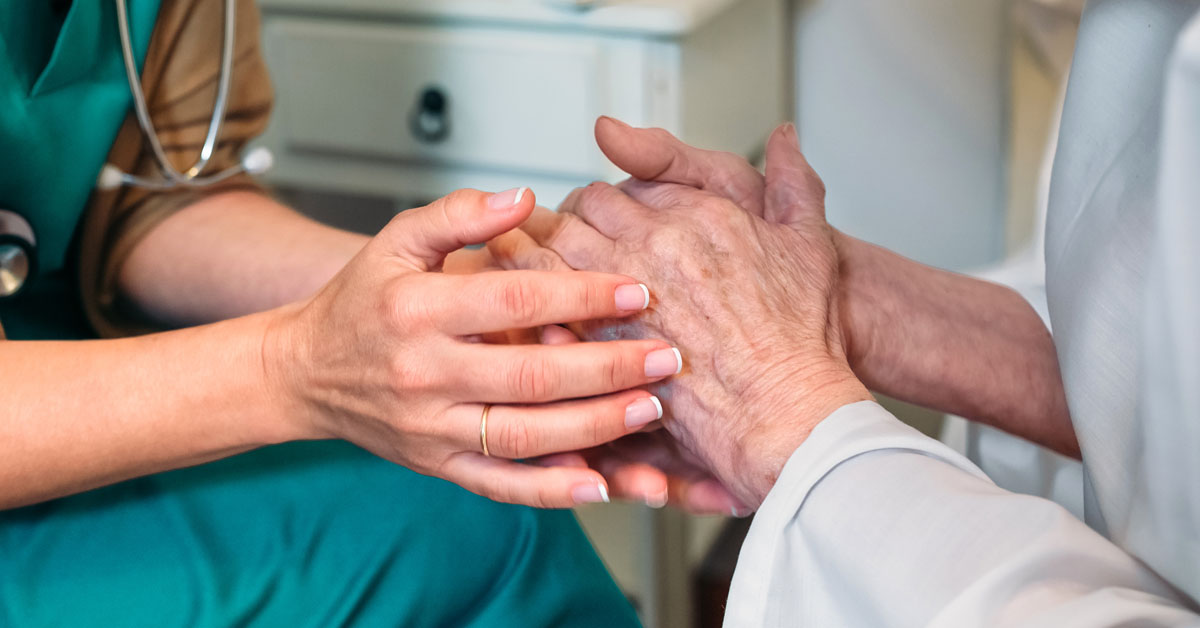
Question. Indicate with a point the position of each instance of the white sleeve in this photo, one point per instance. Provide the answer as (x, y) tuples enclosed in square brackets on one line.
[(873, 524)]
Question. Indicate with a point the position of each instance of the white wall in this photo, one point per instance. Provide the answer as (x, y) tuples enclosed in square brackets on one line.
[(901, 106)]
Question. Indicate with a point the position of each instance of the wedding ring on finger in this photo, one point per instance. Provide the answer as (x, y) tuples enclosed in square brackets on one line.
[(483, 439)]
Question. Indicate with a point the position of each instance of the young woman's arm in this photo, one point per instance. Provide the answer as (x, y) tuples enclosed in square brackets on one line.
[(383, 356)]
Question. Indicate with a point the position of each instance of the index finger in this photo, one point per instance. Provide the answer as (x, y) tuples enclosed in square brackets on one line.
[(519, 299), (517, 250), (579, 245)]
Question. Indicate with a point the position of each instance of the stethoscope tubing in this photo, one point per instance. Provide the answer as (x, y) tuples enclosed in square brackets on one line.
[(171, 176), (111, 177)]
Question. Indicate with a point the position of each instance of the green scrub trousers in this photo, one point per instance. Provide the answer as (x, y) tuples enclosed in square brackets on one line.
[(303, 534)]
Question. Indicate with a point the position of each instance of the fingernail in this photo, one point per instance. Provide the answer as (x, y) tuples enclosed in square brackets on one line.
[(590, 494), (632, 297), (664, 362), (506, 199), (657, 501), (739, 513), (643, 411), (612, 119)]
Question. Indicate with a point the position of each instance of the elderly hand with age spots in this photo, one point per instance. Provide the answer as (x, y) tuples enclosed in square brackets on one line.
[(750, 303)]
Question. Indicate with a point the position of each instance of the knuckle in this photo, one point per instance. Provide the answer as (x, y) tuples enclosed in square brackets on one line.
[(504, 248), (673, 245), (521, 301), (399, 309), (533, 380), (614, 373), (545, 259), (518, 440), (407, 376), (816, 184), (590, 300), (568, 205), (572, 226), (544, 497), (660, 195), (660, 134), (713, 211), (592, 195), (733, 173), (496, 488), (731, 161), (458, 201), (599, 431), (729, 232)]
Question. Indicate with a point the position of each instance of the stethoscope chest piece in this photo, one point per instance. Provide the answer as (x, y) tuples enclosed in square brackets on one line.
[(18, 259)]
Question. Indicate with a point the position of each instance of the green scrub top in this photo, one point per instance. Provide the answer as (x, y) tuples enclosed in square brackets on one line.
[(63, 96), (304, 534)]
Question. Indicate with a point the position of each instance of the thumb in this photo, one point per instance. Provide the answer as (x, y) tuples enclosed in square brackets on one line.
[(426, 235), (657, 156), (794, 191)]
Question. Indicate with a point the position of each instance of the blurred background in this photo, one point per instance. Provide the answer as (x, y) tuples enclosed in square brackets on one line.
[(931, 122)]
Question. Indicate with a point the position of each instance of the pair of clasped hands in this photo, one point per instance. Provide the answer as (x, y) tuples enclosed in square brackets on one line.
[(672, 338)]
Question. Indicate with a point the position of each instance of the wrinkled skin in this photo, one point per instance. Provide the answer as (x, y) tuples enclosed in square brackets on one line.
[(750, 303)]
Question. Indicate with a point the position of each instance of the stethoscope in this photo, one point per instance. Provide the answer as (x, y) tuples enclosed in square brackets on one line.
[(18, 244)]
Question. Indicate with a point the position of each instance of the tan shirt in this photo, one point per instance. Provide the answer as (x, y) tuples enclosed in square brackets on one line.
[(179, 77)]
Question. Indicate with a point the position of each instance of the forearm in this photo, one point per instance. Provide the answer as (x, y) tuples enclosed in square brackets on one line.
[(952, 343), (80, 415), (229, 255)]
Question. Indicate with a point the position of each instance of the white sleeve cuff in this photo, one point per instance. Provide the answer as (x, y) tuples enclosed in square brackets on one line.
[(851, 431)]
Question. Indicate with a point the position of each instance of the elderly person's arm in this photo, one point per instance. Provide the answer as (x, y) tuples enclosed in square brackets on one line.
[(863, 521)]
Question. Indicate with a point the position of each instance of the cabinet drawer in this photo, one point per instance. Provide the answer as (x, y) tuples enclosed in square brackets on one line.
[(511, 100)]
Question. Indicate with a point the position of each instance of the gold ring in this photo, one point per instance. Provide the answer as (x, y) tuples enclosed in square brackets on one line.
[(487, 407)]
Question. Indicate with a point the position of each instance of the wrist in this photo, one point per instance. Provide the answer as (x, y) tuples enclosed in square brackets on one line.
[(786, 420), (283, 373), (866, 302)]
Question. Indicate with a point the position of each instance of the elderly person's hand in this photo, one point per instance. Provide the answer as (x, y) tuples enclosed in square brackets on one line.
[(927, 336), (388, 356), (751, 304), (649, 466)]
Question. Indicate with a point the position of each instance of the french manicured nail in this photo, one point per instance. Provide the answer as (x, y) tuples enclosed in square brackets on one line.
[(664, 362), (633, 297), (590, 494), (738, 512), (657, 501), (643, 411), (507, 198)]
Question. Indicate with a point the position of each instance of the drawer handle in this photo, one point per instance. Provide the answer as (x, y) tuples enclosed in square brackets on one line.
[(429, 119)]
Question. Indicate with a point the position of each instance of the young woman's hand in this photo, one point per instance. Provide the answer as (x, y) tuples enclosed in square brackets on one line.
[(388, 356)]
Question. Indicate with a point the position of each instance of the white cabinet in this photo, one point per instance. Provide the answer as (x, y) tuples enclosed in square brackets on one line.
[(414, 98)]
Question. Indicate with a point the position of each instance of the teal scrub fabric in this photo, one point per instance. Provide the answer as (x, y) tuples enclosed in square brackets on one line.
[(63, 95), (304, 534)]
